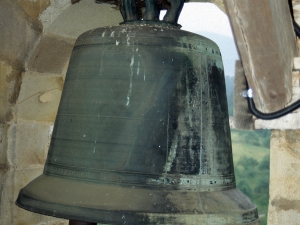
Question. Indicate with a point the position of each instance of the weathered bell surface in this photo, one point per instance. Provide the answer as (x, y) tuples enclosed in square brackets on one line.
[(142, 134)]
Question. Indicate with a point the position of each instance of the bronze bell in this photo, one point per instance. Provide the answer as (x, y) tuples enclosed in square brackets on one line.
[(142, 134)]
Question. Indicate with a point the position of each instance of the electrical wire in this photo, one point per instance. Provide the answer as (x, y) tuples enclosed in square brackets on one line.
[(269, 116), (296, 29)]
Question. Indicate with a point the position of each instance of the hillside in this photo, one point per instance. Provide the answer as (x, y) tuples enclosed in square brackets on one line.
[(251, 156)]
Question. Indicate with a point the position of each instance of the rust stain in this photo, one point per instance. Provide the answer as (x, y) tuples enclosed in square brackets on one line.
[(285, 204), (39, 159), (20, 223), (60, 83), (16, 78), (293, 143), (14, 74), (5, 113)]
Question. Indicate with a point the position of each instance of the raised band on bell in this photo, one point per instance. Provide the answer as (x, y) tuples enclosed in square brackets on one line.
[(142, 133)]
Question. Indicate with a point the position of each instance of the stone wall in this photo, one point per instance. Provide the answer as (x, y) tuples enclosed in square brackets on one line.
[(284, 205)]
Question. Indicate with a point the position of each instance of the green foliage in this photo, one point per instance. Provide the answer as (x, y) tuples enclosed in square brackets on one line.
[(252, 166), (248, 163), (263, 185), (265, 163), (245, 187), (254, 137)]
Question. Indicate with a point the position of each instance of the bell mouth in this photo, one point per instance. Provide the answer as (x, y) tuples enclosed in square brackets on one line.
[(64, 198), (153, 23)]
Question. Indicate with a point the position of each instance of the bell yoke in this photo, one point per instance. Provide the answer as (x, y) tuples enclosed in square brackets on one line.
[(152, 10)]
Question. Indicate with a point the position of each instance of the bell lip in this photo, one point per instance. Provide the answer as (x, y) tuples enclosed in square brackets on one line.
[(85, 214), (98, 215), (29, 204)]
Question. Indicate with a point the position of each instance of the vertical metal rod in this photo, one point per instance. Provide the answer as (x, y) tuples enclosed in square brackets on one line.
[(152, 12), (128, 10), (172, 14)]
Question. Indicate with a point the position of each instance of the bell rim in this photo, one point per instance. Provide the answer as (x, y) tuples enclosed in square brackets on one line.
[(205, 220), (38, 204)]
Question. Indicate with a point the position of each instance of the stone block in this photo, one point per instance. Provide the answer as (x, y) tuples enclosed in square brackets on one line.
[(5, 90), (77, 19), (3, 158), (34, 8), (285, 165), (297, 63), (50, 54), (53, 11), (277, 216), (39, 97), (5, 197), (296, 78), (12, 181), (284, 207), (18, 34), (10, 145), (28, 144)]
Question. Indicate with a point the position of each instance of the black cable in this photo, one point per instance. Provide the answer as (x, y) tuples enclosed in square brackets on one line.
[(290, 2), (296, 28), (273, 115)]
